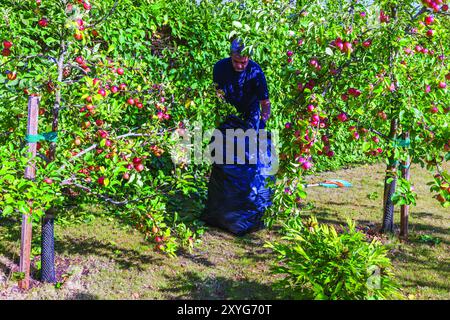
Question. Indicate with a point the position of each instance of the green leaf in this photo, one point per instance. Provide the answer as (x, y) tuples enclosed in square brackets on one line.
[(8, 210), (237, 24)]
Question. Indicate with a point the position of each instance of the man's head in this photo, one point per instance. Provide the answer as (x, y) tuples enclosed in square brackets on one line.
[(238, 60)]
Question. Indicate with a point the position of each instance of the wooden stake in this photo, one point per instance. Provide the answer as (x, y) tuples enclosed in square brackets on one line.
[(30, 173)]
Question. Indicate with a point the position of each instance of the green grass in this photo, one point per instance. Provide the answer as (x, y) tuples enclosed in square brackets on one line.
[(105, 259)]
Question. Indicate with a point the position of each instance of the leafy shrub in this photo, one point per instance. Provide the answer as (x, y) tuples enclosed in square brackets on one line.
[(321, 263)]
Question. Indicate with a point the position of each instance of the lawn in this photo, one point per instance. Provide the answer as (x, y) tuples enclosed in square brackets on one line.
[(106, 259)]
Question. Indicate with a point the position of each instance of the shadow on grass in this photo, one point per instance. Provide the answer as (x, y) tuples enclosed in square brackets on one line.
[(125, 258), (347, 202), (425, 228), (414, 227), (423, 215), (427, 263), (84, 296), (196, 258), (190, 285), (424, 284), (10, 229)]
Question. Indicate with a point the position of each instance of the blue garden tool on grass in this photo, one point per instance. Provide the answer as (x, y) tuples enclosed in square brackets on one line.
[(332, 183)]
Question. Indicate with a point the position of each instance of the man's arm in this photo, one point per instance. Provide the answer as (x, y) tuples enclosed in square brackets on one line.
[(265, 109)]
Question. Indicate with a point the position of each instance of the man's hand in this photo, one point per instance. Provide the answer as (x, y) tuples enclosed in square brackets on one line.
[(265, 109), (220, 94)]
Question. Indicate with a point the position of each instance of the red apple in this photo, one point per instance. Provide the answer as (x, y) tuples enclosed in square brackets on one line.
[(447, 147), (101, 180), (79, 60), (440, 198), (342, 117), (307, 165), (429, 20), (43, 22), (7, 44), (315, 118), (120, 71), (139, 167), (6, 52), (11, 76), (103, 133), (348, 47), (367, 43), (382, 115)]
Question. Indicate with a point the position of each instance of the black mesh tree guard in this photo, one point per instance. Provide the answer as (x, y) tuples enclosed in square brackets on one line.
[(48, 249), (388, 205)]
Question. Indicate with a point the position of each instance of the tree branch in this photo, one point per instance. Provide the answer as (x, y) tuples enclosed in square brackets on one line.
[(95, 145), (72, 182), (105, 16)]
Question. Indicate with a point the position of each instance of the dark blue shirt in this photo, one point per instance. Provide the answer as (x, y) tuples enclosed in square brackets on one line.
[(243, 89)]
